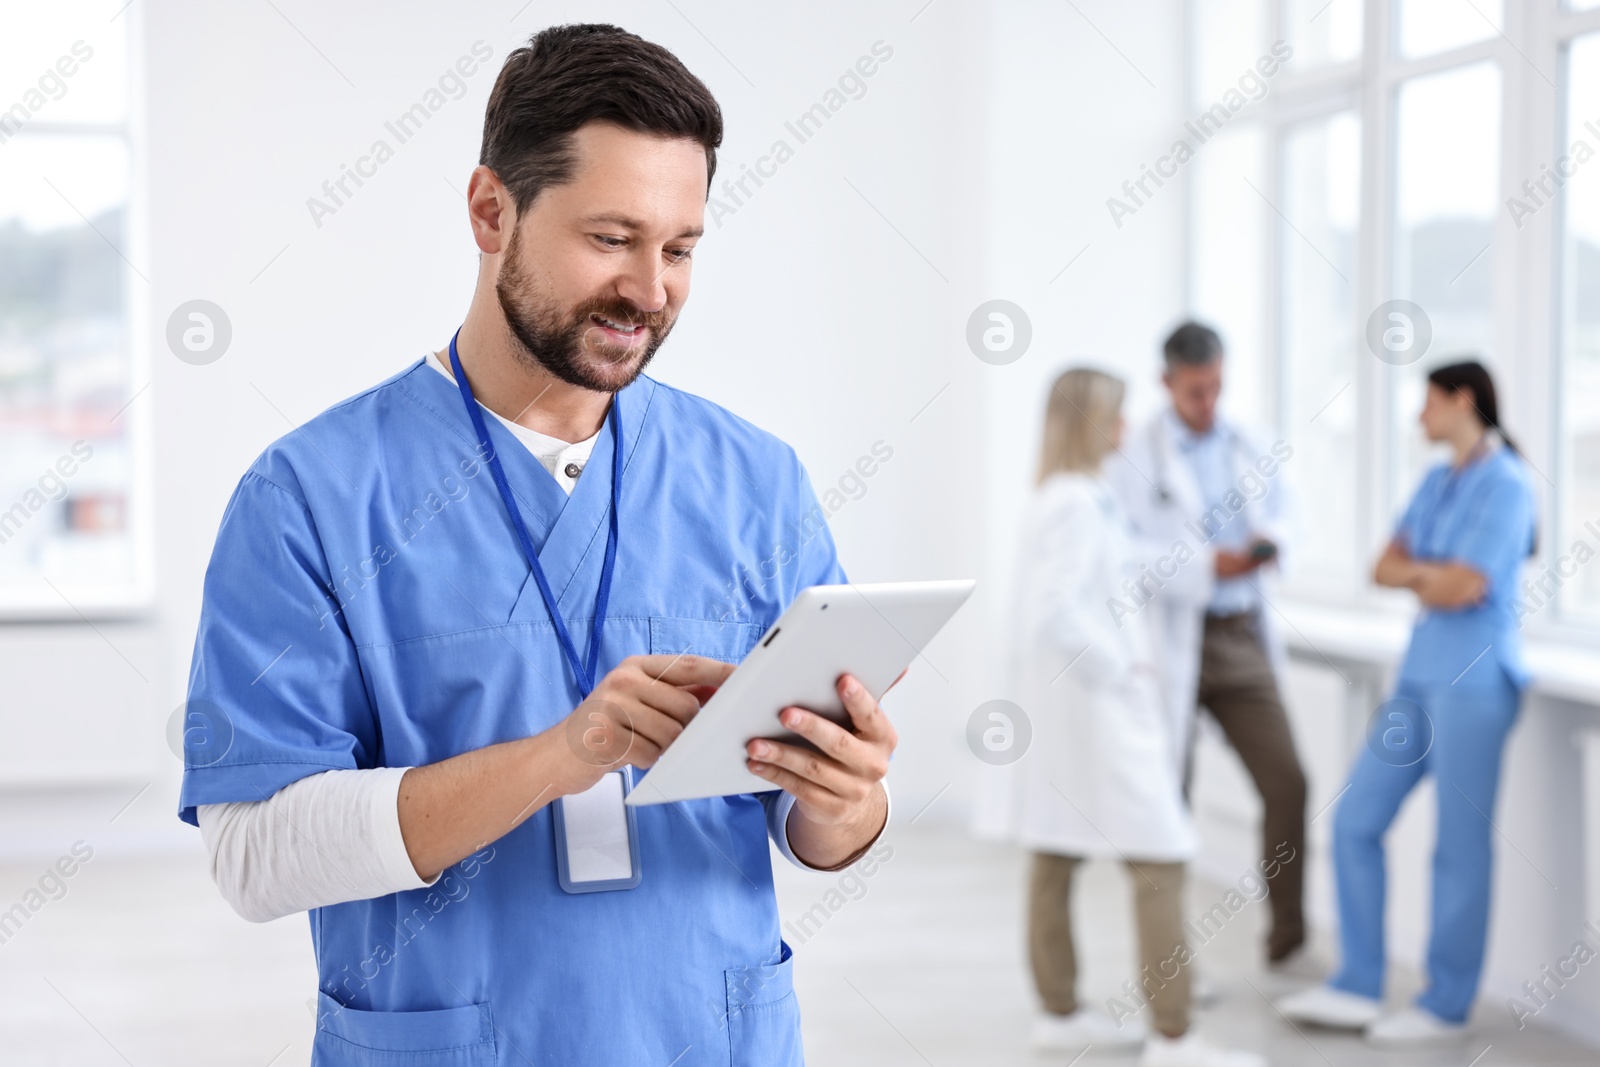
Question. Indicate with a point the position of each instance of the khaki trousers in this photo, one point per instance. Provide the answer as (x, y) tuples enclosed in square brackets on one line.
[(1158, 914), (1240, 691)]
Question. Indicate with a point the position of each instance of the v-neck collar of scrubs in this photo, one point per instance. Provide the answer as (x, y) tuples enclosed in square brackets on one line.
[(1470, 470), (563, 528), (553, 453), (1481, 453)]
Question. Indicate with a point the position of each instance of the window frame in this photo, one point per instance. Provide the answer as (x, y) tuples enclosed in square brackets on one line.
[(134, 598)]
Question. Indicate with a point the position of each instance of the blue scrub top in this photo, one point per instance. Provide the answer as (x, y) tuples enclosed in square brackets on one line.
[(367, 605), (1481, 516)]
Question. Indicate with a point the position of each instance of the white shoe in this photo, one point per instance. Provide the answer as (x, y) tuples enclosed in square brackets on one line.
[(1413, 1028), (1334, 1008), (1076, 1032), (1190, 1050)]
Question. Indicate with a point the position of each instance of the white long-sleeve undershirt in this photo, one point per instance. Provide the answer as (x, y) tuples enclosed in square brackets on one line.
[(325, 839)]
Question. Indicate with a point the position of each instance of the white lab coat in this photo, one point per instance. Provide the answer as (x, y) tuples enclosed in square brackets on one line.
[(1097, 779), (1169, 528)]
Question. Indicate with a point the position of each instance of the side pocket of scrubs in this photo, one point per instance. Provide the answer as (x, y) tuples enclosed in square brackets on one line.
[(763, 1015), (449, 1037)]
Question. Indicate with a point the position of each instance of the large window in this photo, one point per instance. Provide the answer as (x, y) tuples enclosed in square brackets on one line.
[(73, 515), (1426, 27), (1420, 171), (1579, 333), (1321, 193)]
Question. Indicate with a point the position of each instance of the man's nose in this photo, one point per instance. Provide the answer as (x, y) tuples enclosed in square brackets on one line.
[(641, 285)]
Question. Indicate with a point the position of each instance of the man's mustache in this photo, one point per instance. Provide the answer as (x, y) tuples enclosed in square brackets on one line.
[(625, 313)]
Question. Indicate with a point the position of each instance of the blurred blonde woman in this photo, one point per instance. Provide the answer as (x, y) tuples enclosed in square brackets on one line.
[(1098, 780)]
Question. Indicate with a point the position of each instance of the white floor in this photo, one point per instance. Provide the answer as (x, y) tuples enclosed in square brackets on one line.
[(927, 968), (141, 964)]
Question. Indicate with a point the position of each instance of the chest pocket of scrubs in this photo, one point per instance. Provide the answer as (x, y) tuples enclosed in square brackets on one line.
[(450, 1037), (727, 641), (763, 1015)]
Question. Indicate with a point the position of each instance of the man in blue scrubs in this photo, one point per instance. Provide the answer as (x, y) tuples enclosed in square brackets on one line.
[(371, 603)]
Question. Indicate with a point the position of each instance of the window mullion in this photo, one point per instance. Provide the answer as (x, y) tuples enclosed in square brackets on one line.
[(1373, 270)]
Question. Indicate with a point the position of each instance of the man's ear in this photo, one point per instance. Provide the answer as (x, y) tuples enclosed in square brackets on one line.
[(491, 210)]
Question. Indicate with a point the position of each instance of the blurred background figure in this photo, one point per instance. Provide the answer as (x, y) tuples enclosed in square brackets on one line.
[(1100, 780), (1459, 547), (1203, 490)]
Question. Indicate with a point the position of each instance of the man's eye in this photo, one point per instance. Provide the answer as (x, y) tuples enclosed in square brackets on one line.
[(610, 242), (680, 254)]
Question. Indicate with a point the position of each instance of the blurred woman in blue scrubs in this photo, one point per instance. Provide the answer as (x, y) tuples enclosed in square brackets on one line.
[(1459, 547)]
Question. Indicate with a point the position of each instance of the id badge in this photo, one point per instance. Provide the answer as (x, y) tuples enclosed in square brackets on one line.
[(597, 837)]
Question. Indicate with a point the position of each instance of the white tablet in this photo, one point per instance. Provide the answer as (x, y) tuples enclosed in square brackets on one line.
[(871, 631)]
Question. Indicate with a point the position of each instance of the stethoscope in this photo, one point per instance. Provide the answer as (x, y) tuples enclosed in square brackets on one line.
[(1158, 430)]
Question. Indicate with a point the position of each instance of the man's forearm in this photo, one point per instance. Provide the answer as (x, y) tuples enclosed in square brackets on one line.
[(827, 846), (450, 809)]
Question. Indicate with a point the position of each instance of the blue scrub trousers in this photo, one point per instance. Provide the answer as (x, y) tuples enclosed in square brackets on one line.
[(1469, 728)]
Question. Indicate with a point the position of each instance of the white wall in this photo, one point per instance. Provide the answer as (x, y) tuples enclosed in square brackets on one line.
[(1072, 119)]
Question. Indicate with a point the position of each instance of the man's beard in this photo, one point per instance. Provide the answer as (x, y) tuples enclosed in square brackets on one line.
[(570, 344)]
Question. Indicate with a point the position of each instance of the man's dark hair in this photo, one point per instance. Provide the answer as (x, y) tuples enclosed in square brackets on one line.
[(1192, 345), (567, 76)]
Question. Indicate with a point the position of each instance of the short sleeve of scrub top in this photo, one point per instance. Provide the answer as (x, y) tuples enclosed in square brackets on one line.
[(268, 569)]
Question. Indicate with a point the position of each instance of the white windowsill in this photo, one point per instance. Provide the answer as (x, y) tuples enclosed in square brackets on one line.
[(1378, 638)]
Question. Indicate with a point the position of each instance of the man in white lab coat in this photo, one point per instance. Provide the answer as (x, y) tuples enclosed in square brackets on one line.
[(1207, 503)]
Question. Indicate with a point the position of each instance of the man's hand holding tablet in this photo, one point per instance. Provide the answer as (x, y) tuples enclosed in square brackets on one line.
[(838, 786)]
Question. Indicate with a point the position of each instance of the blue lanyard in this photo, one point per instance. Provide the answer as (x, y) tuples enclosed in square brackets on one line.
[(584, 672)]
